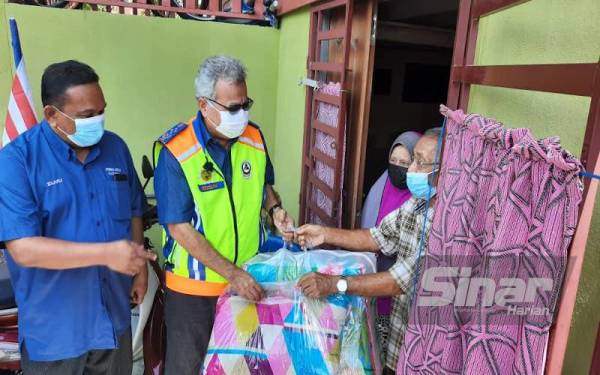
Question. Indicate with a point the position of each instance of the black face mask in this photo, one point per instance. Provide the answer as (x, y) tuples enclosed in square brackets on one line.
[(397, 175)]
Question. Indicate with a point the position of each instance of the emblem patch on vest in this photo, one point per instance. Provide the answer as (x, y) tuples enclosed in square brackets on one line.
[(246, 169), (205, 175)]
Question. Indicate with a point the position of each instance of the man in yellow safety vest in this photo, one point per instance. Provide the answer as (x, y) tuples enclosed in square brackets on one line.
[(213, 177)]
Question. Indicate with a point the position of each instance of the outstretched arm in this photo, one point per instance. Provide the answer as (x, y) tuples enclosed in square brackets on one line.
[(317, 285), (354, 240)]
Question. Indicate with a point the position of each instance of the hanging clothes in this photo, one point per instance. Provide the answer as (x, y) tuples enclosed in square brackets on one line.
[(507, 210)]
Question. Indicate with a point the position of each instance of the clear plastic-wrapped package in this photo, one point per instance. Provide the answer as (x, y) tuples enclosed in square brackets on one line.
[(287, 333)]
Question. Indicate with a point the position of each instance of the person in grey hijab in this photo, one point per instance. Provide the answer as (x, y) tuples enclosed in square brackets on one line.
[(389, 191), (387, 194)]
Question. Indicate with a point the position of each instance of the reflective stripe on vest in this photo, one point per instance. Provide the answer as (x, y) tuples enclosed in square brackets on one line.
[(229, 219)]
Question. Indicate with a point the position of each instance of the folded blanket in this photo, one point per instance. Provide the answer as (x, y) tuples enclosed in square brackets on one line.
[(287, 333)]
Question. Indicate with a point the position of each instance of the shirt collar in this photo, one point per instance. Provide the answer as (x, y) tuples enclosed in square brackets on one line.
[(57, 144), (421, 204), (62, 148), (201, 129)]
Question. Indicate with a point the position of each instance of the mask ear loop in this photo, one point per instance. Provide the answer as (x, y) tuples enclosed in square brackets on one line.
[(67, 116), (215, 109), (438, 149)]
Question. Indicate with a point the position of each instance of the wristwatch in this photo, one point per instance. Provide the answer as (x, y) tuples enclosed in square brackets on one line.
[(342, 285)]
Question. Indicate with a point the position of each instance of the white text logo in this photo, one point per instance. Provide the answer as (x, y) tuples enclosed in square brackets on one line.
[(468, 290), (54, 182)]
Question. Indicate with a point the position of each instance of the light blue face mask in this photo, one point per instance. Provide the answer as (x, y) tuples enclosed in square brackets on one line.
[(418, 184), (88, 131)]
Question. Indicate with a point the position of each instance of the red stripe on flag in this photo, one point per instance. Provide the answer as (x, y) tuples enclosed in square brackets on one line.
[(10, 128), (23, 103)]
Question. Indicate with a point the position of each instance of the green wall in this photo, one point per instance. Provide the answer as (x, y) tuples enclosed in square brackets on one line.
[(293, 49), (147, 67), (549, 32)]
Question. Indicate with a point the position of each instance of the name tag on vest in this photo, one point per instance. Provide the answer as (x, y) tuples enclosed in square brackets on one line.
[(211, 186)]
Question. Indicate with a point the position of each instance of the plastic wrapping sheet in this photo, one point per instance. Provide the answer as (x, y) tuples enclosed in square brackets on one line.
[(289, 334)]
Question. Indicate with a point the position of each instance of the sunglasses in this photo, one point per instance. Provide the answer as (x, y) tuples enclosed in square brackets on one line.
[(234, 108)]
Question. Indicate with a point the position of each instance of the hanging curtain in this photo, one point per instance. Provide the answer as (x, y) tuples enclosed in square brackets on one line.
[(506, 213)]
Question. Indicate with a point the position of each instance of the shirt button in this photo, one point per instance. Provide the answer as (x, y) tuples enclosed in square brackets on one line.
[(92, 196), (97, 223)]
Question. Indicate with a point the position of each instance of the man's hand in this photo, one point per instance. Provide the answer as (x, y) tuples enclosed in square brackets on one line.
[(444, 110), (244, 285), (318, 285), (139, 287), (310, 235), (284, 223), (127, 257)]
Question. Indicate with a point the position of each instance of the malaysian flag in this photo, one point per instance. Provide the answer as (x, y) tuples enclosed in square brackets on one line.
[(20, 115)]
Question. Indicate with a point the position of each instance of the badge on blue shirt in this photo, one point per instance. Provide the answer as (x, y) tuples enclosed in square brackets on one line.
[(211, 186)]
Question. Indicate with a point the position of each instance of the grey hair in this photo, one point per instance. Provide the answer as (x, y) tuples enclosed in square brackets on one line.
[(433, 132), (217, 68)]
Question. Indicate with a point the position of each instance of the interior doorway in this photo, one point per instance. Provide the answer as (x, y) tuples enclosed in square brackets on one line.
[(411, 72)]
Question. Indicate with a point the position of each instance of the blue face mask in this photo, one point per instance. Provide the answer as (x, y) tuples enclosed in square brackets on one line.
[(88, 131), (418, 184)]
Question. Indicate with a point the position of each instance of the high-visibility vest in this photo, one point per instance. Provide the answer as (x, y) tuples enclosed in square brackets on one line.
[(227, 216)]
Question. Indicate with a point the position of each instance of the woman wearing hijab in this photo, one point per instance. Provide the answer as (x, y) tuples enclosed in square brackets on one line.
[(387, 194), (389, 191)]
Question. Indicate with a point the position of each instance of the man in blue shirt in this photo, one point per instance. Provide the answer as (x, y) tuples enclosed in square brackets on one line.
[(70, 214)]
